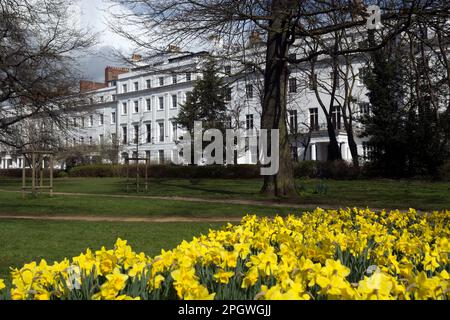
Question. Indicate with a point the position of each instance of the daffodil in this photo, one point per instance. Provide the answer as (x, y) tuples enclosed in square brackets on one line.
[(223, 276)]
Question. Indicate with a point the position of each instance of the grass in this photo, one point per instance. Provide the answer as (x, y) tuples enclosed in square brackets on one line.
[(403, 194), (12, 203), (25, 241)]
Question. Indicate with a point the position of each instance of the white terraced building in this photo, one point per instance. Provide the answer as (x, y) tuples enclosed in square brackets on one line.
[(140, 104)]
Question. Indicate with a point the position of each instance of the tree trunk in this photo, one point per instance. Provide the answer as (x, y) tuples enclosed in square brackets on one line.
[(274, 103), (334, 152), (348, 124), (353, 147)]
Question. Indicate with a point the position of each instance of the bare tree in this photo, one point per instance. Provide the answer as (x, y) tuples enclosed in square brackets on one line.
[(283, 23), (37, 70)]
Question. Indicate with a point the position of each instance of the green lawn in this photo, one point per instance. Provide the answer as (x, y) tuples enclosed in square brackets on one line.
[(26, 241), (402, 194), (12, 203)]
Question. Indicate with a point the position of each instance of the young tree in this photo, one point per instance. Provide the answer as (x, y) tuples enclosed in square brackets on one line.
[(386, 124), (206, 102), (409, 92)]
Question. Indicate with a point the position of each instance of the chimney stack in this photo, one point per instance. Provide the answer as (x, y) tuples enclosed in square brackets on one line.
[(136, 57), (86, 86), (174, 49), (254, 38), (112, 73)]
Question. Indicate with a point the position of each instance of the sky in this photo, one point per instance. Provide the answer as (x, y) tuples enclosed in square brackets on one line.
[(93, 14)]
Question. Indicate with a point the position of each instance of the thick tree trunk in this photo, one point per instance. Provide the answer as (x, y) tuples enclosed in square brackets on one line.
[(274, 103)]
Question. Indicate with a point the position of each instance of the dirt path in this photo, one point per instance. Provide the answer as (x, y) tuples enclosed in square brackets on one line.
[(120, 219), (267, 203)]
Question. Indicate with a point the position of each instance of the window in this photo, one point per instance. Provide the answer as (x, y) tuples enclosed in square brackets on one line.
[(147, 154), (136, 86), (148, 126), (314, 119), (174, 101), (91, 121), (228, 92), (362, 73), (336, 117), (174, 79), (312, 81), (367, 151), (227, 70), (113, 117), (101, 138), (124, 108), (249, 121), (149, 83), (249, 91), (101, 119), (75, 122), (136, 134), (161, 131), (148, 103), (161, 156), (102, 99), (292, 85), (161, 81), (124, 88), (174, 131), (188, 95), (161, 103), (293, 124), (114, 138), (124, 135), (136, 107), (82, 122), (188, 76), (364, 108), (337, 78)]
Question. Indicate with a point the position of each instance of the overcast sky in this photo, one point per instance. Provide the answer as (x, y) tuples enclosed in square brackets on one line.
[(94, 14)]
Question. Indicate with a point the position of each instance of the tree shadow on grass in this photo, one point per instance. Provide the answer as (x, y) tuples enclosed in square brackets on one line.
[(196, 186)]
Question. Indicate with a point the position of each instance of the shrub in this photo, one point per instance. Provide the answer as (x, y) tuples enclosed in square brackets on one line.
[(444, 171), (17, 173), (96, 170), (62, 174), (167, 171), (305, 169)]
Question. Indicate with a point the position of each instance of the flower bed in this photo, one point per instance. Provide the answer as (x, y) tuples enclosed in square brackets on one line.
[(345, 254)]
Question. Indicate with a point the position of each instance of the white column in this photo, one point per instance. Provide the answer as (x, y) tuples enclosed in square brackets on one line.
[(313, 151)]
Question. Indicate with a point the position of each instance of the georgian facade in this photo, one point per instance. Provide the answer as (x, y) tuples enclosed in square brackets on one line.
[(136, 110)]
